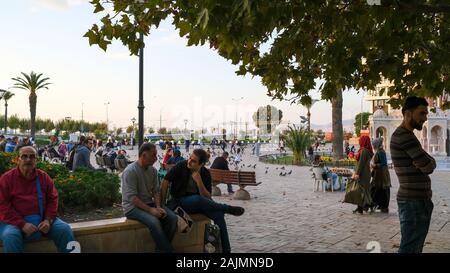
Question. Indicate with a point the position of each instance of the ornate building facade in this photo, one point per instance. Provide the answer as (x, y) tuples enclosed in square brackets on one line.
[(435, 135)]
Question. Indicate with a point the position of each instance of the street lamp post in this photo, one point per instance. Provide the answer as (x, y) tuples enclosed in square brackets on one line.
[(107, 118), (133, 120), (2, 93), (141, 92), (82, 117), (185, 125), (235, 118)]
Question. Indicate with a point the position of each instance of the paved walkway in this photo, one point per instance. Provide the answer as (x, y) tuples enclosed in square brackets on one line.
[(285, 215)]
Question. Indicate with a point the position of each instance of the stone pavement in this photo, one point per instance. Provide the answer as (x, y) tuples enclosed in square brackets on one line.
[(285, 215)]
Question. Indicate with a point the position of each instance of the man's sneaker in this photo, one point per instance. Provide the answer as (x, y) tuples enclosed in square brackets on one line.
[(230, 192), (236, 211)]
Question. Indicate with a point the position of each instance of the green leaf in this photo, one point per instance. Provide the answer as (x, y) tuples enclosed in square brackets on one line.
[(98, 7)]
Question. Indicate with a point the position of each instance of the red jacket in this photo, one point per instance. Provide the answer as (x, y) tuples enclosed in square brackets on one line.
[(18, 197)]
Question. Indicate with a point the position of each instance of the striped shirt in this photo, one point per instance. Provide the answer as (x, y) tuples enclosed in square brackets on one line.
[(412, 166)]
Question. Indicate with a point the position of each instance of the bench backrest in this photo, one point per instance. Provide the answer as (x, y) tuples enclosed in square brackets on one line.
[(120, 164), (224, 176)]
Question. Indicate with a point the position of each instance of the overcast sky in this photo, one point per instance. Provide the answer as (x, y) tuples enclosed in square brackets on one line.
[(181, 83)]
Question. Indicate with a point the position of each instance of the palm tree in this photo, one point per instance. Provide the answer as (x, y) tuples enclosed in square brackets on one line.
[(6, 97), (32, 83), (298, 140)]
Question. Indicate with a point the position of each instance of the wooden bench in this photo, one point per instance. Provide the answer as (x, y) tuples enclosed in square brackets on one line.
[(120, 164), (240, 178)]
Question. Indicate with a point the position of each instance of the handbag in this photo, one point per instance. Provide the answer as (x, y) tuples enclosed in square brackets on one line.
[(184, 223), (354, 193), (213, 242), (36, 219)]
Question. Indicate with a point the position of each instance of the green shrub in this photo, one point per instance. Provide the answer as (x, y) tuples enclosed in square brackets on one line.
[(7, 162), (87, 189), (83, 189), (52, 170)]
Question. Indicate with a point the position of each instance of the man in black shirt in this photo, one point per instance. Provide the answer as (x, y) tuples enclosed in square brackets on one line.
[(221, 163), (190, 188)]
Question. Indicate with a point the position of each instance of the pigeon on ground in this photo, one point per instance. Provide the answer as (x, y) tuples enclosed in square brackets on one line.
[(282, 168), (281, 174), (266, 171), (284, 174), (276, 168), (249, 165), (289, 172), (254, 166)]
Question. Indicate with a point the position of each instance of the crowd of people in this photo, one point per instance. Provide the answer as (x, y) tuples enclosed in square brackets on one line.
[(25, 215)]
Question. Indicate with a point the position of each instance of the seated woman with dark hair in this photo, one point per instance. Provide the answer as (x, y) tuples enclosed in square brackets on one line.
[(175, 158), (167, 156), (326, 174)]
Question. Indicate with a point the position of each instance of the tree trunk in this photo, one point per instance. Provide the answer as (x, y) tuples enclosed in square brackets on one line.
[(338, 132), (33, 101)]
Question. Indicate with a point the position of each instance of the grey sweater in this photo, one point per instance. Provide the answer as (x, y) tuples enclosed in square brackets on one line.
[(138, 182)]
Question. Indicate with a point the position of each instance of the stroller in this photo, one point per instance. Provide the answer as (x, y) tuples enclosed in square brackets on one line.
[(107, 160), (50, 154)]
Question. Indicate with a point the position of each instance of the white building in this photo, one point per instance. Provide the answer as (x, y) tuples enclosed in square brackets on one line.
[(435, 135)]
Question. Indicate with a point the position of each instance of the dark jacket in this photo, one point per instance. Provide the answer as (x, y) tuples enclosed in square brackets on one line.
[(82, 158), (381, 177), (179, 175), (220, 163)]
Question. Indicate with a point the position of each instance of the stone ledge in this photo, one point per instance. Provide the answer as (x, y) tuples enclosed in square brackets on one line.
[(123, 235)]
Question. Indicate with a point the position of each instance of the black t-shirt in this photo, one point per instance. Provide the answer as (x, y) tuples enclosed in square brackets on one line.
[(220, 163), (179, 176)]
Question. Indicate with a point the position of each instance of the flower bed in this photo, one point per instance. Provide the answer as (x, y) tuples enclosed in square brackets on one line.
[(329, 161), (83, 189)]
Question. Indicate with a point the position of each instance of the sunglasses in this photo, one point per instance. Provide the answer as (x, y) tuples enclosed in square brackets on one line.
[(30, 156)]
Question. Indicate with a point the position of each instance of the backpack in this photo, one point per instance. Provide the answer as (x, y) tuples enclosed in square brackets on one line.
[(212, 239), (69, 163)]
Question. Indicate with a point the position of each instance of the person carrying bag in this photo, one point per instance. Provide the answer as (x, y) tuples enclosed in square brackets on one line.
[(362, 175)]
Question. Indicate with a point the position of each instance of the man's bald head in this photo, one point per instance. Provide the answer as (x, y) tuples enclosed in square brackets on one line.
[(27, 159), (27, 149)]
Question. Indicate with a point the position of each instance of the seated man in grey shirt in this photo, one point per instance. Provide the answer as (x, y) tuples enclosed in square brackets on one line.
[(141, 202)]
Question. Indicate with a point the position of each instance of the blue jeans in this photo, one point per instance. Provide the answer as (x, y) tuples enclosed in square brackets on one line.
[(334, 181), (415, 217), (13, 237), (161, 230), (213, 210)]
